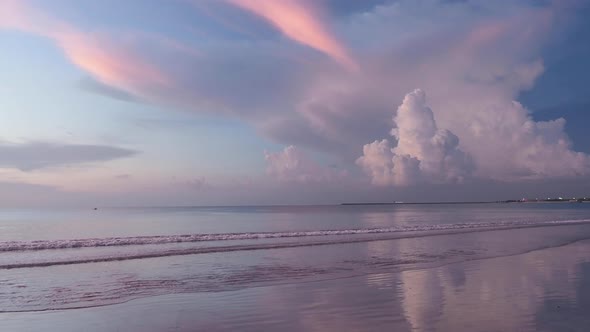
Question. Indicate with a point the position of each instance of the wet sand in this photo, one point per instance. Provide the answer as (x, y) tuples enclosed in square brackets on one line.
[(543, 290)]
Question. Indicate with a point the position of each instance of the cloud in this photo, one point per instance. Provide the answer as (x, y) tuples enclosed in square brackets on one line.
[(91, 85), (576, 116), (508, 144), (298, 21), (424, 153), (112, 61), (200, 183), (39, 155), (473, 58), (293, 165), (377, 161), (472, 83)]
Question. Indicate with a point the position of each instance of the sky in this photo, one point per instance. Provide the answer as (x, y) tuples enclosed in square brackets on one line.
[(256, 102)]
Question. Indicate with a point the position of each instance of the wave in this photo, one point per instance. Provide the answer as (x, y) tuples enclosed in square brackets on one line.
[(187, 238), (423, 232)]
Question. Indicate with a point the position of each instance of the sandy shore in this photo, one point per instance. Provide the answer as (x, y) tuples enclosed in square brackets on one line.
[(544, 290)]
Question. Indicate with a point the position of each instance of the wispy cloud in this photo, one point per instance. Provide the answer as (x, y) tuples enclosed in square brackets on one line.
[(298, 21), (39, 155), (113, 63), (110, 60), (91, 85)]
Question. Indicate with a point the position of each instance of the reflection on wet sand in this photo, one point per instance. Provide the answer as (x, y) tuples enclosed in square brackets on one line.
[(500, 294), (545, 290)]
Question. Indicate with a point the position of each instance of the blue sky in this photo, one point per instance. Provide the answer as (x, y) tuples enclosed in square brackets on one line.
[(206, 102)]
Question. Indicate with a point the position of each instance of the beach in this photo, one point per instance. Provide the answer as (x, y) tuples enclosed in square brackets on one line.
[(529, 272), (544, 290)]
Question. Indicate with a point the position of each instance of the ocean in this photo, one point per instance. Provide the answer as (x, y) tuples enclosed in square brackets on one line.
[(439, 267)]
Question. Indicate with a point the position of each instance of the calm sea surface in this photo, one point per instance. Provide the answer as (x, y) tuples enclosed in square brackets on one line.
[(343, 267)]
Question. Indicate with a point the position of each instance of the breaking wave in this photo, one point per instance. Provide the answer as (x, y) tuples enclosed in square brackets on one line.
[(187, 238)]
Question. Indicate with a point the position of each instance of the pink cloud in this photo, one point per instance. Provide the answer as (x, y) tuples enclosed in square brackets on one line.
[(517, 30), (298, 21), (114, 63)]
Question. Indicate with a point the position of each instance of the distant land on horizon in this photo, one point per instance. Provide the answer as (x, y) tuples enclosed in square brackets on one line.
[(524, 200)]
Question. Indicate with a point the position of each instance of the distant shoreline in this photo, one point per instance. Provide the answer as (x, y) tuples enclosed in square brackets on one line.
[(585, 200), (418, 203)]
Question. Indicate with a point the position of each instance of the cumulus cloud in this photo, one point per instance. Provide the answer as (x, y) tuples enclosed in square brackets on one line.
[(424, 153), (38, 155), (506, 145), (509, 145), (293, 165), (377, 161)]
